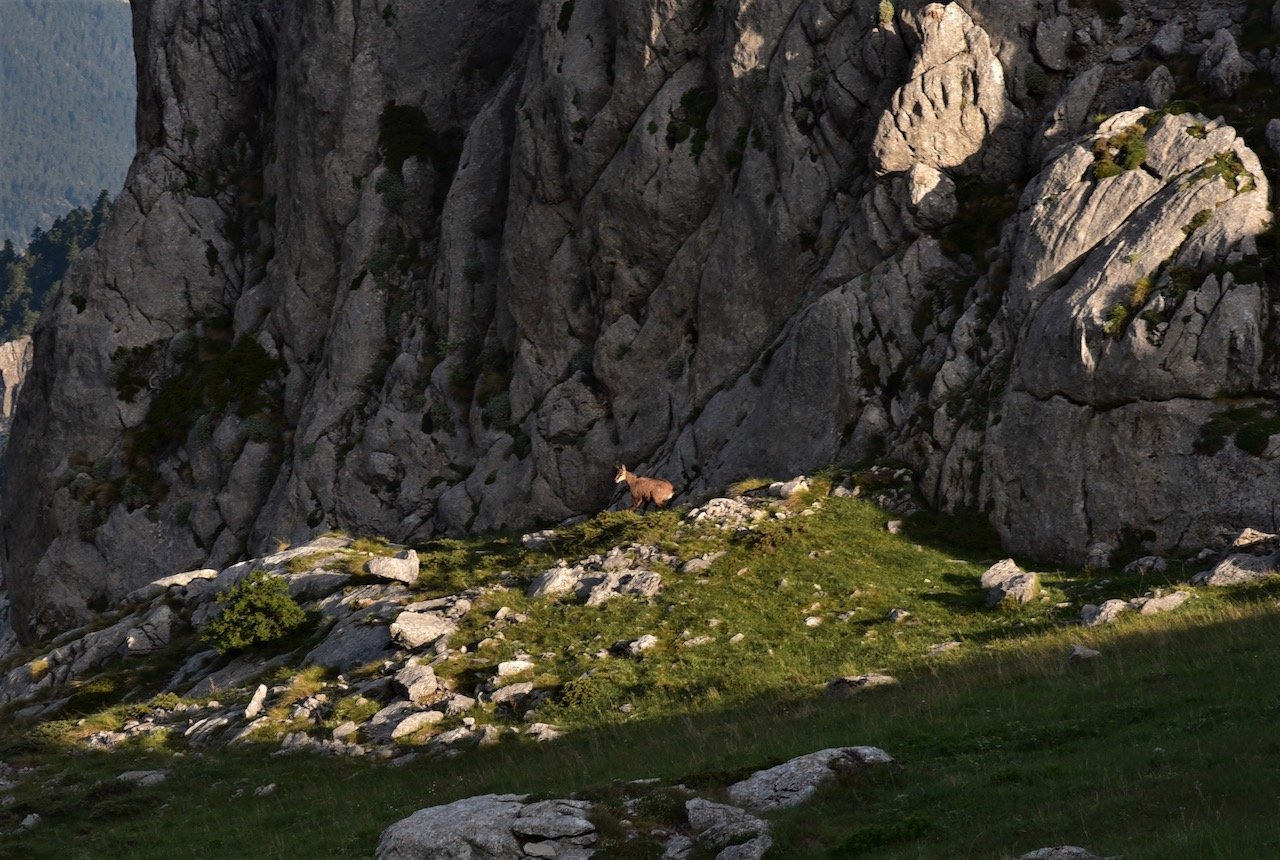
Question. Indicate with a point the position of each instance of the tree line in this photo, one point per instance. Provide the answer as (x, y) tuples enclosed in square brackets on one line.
[(28, 277)]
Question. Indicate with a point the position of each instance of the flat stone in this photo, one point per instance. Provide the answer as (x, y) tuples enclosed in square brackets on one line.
[(402, 567), (414, 630), (795, 781), (853, 684), (417, 682)]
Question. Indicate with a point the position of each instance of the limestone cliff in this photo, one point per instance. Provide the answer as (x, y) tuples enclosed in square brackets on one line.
[(410, 268)]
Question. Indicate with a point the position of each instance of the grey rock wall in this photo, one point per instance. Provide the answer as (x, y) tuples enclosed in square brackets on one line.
[(424, 268)]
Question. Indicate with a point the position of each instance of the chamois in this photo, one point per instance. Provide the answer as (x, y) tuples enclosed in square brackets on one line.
[(645, 490)]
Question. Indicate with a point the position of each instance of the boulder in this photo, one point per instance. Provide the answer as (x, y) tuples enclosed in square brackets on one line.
[(1096, 616), (414, 630), (1159, 88), (1052, 39), (417, 682), (256, 702), (1164, 603), (160, 586), (402, 567), (1148, 565), (999, 572), (1061, 852), (351, 643), (1167, 43), (494, 827), (1081, 654), (1022, 588), (795, 781), (852, 684), (953, 111), (1221, 67), (717, 826), (1239, 569), (555, 581), (1273, 135)]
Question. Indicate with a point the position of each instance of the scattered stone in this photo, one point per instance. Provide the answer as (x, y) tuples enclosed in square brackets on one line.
[(894, 527), (417, 682), (346, 730), (701, 563), (1159, 88), (31, 820), (854, 684), (1165, 603), (999, 572), (402, 567), (1168, 41), (813, 621), (492, 826), (264, 790), (537, 540), (718, 826), (1079, 654), (1148, 565), (1238, 569), (1062, 852), (898, 616), (255, 704), (507, 668), (1019, 589), (413, 630), (1221, 67), (1052, 39), (636, 647), (787, 489), (696, 641), (942, 648), (1096, 616), (414, 723), (543, 732), (511, 694), (143, 778), (736, 638), (795, 781)]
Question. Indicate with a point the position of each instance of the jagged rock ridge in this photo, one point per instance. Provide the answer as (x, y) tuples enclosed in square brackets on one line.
[(408, 270)]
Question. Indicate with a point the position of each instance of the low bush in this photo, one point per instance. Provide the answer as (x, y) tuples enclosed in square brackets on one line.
[(257, 611)]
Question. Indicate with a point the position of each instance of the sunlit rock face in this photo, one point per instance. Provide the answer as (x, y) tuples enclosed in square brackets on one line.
[(430, 268)]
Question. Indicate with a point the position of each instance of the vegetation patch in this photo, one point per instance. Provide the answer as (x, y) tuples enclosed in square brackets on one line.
[(1249, 427), (689, 120), (1120, 152), (257, 611)]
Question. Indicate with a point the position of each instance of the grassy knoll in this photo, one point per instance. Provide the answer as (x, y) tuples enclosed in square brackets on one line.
[(1163, 747)]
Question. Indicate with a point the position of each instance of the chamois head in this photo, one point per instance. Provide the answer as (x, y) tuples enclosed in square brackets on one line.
[(622, 473)]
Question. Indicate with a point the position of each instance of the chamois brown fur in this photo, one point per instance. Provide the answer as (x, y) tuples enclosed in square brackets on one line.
[(643, 490)]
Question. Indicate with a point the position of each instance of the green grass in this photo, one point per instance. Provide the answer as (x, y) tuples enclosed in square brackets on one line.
[(1003, 748)]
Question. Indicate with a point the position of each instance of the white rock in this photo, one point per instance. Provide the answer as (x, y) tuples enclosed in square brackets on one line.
[(255, 704), (402, 567)]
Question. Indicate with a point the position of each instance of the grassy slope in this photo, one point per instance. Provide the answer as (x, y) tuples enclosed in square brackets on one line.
[(1003, 747)]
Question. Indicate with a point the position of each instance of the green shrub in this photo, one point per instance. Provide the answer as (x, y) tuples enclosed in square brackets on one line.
[(256, 611), (1117, 316)]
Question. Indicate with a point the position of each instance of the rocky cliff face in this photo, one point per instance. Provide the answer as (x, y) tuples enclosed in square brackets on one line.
[(413, 269)]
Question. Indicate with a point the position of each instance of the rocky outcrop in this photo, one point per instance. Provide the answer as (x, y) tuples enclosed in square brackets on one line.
[(438, 269)]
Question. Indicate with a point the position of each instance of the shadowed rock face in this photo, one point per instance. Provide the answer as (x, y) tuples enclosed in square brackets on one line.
[(436, 267)]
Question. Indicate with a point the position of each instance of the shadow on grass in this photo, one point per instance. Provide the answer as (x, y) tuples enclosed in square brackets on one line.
[(1015, 727)]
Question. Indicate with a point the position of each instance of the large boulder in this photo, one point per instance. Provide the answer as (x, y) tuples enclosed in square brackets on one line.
[(492, 827)]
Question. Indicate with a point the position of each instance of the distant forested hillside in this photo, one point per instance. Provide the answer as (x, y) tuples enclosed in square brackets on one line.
[(28, 277), (67, 96)]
